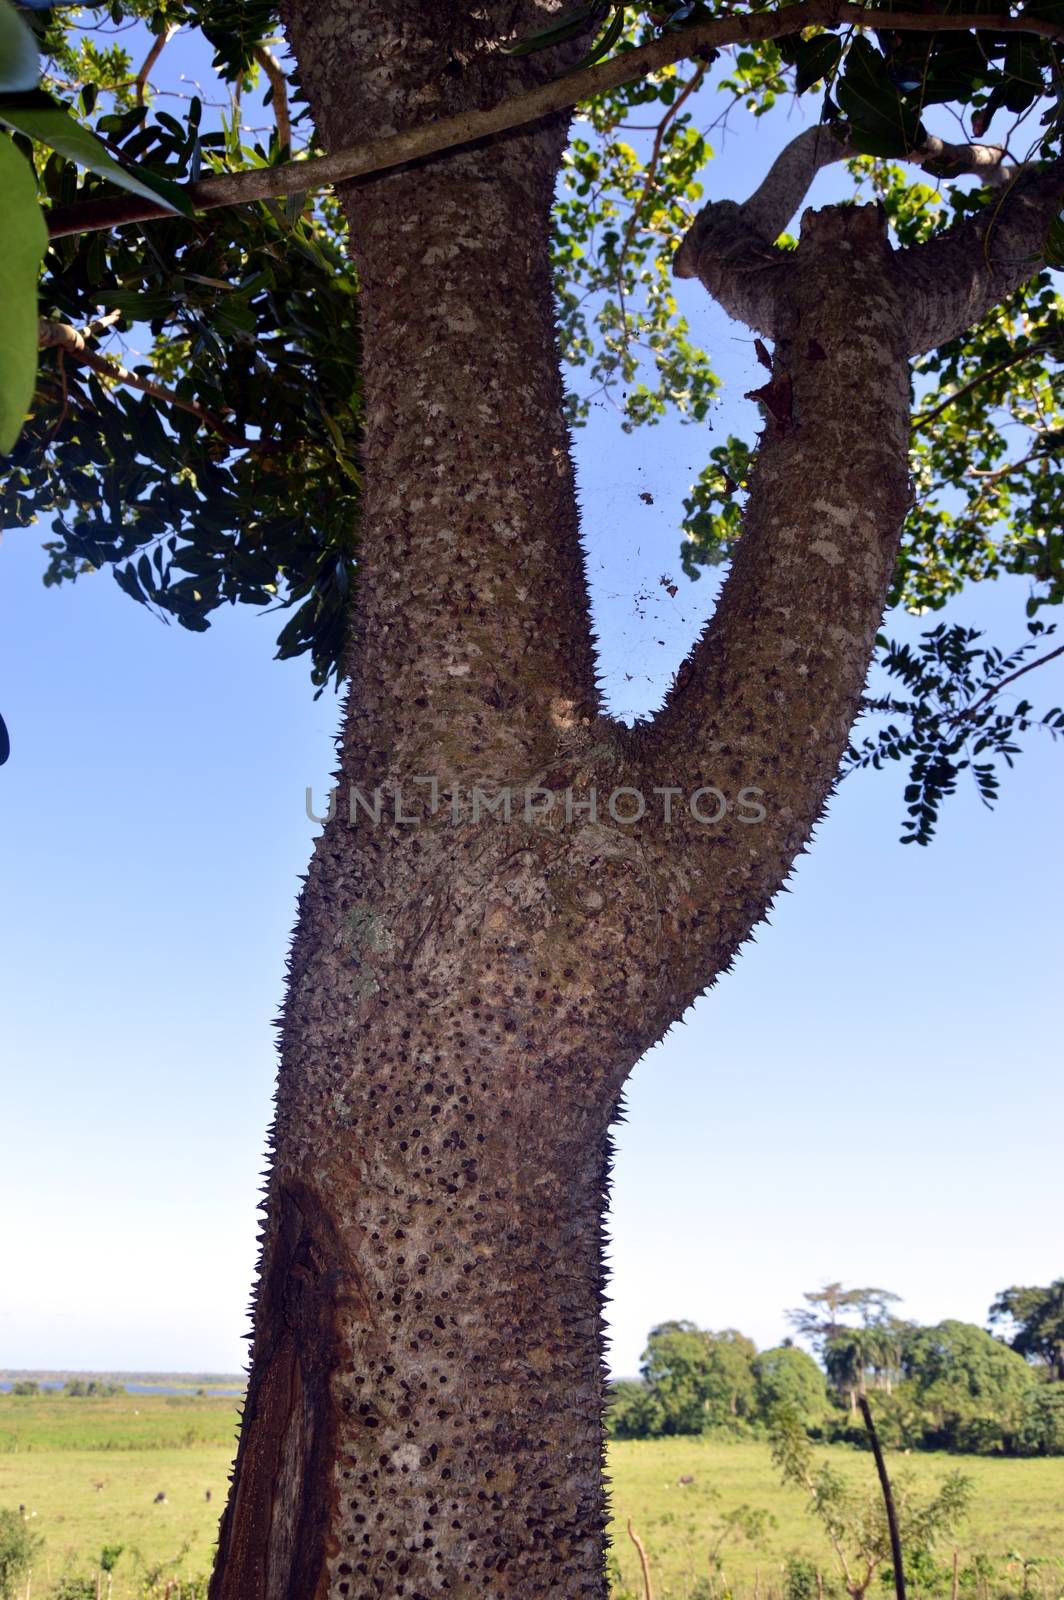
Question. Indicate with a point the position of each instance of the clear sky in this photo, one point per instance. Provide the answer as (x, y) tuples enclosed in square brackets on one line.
[(874, 1094)]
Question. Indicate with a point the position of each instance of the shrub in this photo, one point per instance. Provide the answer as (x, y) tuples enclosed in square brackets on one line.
[(799, 1578), (1042, 1427), (74, 1586), (17, 1546)]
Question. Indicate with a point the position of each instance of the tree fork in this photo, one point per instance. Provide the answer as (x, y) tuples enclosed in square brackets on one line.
[(467, 997)]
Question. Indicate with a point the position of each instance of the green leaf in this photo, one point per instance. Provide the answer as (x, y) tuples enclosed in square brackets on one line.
[(556, 35), (20, 68), (814, 59), (1023, 75), (881, 122), (25, 241), (52, 124), (605, 43)]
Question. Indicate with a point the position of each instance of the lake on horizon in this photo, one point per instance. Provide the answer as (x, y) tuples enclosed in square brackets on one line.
[(44, 1384)]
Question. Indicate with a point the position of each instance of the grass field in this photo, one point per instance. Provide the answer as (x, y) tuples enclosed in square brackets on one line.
[(1017, 1505), (88, 1471)]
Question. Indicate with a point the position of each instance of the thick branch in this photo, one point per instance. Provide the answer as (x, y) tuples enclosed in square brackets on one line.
[(766, 700), (448, 133), (952, 281), (60, 336), (773, 204), (736, 262), (775, 201), (729, 247)]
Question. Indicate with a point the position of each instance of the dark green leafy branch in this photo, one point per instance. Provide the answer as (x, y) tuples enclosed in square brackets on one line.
[(252, 317), (951, 718), (248, 316)]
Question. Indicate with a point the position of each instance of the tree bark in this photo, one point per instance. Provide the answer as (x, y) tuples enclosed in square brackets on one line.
[(469, 990)]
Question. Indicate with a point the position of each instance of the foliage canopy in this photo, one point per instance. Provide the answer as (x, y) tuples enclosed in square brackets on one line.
[(223, 466)]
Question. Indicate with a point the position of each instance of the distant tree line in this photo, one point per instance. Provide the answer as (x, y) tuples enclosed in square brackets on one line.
[(78, 1388), (954, 1386)]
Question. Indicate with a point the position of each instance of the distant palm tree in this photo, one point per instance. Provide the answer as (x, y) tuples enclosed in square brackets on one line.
[(845, 1358)]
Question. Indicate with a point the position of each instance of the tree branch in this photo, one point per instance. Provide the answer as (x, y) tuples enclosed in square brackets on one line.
[(763, 706), (996, 688), (279, 84), (161, 41), (648, 1591), (888, 1502), (953, 280), (776, 199), (730, 246), (924, 417), (415, 144), (59, 335)]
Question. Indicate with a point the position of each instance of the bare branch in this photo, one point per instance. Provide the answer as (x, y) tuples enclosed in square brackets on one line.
[(60, 336), (648, 1591), (767, 697), (279, 84), (159, 45), (775, 200), (945, 160), (888, 1500), (415, 144), (735, 261)]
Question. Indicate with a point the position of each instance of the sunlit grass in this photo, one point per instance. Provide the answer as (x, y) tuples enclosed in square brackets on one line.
[(88, 1472)]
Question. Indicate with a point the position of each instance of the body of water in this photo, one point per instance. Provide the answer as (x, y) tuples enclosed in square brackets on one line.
[(53, 1384)]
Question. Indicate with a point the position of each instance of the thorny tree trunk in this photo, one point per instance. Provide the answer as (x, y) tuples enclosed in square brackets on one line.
[(468, 994)]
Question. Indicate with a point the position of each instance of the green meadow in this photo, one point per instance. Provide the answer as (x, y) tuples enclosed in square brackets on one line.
[(88, 1472), (1017, 1507)]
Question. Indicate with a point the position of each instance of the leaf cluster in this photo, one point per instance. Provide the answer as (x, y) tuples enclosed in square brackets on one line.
[(950, 719), (251, 319)]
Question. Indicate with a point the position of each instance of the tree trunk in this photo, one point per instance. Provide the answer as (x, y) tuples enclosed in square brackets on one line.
[(425, 1400), (484, 948), (467, 994)]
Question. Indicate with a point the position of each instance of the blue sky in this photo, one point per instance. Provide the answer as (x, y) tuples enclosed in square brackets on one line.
[(873, 1094)]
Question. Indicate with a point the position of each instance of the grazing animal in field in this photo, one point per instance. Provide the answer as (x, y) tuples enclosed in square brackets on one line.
[(686, 1479), (207, 1495), (160, 1499), (100, 1483)]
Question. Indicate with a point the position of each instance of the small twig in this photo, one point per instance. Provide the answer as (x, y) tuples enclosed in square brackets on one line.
[(279, 84), (648, 1591), (161, 41), (888, 1498), (996, 688), (988, 474), (68, 341), (686, 92), (982, 377)]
